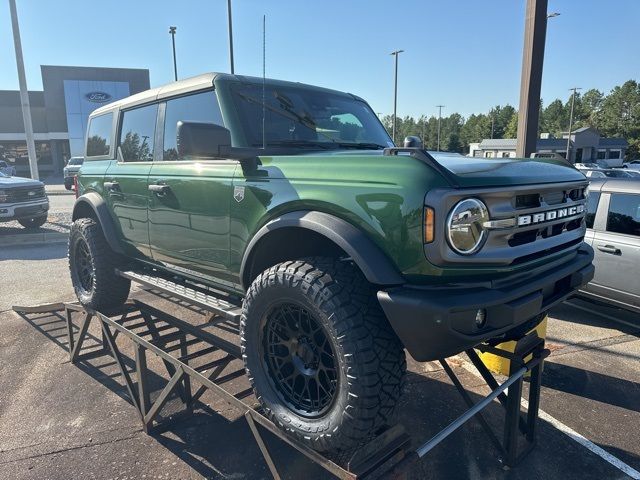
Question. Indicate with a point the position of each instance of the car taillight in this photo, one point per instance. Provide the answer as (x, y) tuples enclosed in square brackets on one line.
[(75, 185)]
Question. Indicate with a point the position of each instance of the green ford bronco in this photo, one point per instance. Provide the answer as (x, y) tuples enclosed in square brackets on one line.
[(336, 249)]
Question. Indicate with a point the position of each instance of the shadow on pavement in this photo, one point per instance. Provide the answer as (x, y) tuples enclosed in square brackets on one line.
[(595, 386), (34, 252), (216, 440)]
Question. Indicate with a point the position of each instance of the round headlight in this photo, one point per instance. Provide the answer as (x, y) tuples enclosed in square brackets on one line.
[(465, 226)]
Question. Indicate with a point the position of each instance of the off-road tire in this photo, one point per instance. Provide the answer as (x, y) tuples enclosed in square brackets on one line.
[(107, 291), (35, 222), (370, 358)]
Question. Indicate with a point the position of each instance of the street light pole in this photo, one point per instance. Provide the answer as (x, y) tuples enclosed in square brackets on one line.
[(535, 31), (439, 117), (24, 94), (230, 36), (573, 98), (396, 54), (172, 31)]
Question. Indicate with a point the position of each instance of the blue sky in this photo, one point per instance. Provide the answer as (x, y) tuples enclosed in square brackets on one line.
[(465, 54)]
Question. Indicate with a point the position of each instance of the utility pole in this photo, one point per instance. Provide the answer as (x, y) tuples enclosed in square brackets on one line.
[(573, 98), (395, 94), (535, 31), (24, 93), (439, 118), (172, 31), (492, 122), (230, 36)]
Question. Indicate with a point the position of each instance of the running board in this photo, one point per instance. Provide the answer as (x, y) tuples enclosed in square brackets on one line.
[(193, 295)]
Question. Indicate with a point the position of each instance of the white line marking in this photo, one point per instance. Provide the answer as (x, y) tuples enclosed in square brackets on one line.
[(585, 442), (603, 315)]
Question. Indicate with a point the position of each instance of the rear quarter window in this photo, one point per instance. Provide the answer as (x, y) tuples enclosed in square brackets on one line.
[(99, 135), (592, 208), (624, 214)]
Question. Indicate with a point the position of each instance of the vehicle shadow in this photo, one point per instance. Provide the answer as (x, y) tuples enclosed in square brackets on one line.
[(51, 251), (567, 311), (592, 385), (216, 442)]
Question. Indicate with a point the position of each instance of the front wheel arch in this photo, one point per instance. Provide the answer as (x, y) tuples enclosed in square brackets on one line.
[(330, 236)]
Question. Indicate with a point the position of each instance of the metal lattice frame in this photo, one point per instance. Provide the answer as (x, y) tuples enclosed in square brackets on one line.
[(387, 450), (391, 450)]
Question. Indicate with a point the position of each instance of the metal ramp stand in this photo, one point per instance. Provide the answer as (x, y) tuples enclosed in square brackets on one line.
[(163, 334), (528, 357), (180, 345)]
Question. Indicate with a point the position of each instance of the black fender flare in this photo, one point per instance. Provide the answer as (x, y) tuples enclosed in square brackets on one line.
[(100, 210), (372, 261)]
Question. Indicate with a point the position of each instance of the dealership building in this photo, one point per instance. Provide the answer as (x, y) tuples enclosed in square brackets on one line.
[(59, 113)]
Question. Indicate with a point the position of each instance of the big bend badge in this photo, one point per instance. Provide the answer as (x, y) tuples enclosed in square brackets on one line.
[(238, 194)]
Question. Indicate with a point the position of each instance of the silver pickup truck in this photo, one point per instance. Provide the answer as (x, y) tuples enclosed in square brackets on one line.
[(24, 200)]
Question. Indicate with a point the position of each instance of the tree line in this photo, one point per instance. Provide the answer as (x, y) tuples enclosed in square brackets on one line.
[(616, 114)]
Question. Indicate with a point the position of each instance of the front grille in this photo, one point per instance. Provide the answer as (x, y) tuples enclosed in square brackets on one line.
[(549, 251), (522, 238), (552, 197), (25, 194), (527, 222)]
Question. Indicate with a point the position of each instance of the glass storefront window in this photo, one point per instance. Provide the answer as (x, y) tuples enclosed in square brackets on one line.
[(15, 154)]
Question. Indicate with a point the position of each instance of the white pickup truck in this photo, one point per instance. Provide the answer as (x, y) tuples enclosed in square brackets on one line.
[(24, 200)]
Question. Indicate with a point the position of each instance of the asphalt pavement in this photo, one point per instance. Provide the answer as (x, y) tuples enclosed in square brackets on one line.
[(59, 420)]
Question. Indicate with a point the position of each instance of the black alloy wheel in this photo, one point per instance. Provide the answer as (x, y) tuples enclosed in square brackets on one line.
[(83, 265), (299, 359)]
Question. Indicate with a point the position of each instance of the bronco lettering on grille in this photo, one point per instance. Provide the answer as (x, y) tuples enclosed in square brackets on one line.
[(549, 215)]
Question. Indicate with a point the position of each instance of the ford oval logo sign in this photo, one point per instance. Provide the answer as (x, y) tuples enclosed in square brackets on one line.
[(98, 97)]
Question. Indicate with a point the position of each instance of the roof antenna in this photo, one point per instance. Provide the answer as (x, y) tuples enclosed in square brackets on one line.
[(264, 61)]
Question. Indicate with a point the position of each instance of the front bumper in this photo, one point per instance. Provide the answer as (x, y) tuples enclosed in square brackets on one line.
[(16, 211), (438, 322)]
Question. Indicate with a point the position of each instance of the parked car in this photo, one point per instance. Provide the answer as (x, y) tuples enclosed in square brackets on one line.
[(589, 166), (609, 173), (24, 200), (340, 249), (633, 165), (7, 169), (71, 170), (613, 230)]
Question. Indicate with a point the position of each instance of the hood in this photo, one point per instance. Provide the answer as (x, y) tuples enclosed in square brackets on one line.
[(483, 172), (8, 182), (471, 172)]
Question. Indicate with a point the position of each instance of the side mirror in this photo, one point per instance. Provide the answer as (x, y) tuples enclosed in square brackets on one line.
[(196, 139), (412, 142)]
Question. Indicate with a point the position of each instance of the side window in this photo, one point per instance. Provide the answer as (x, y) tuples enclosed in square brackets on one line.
[(201, 107), (99, 136), (592, 208), (624, 214), (137, 134)]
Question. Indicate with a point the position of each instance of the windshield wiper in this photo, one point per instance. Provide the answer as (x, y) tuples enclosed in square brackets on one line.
[(300, 143), (362, 145)]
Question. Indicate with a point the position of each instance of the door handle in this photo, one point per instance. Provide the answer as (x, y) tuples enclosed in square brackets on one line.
[(159, 189), (609, 249)]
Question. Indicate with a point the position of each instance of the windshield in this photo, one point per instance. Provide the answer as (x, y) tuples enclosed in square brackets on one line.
[(306, 118), (3, 175), (616, 174), (76, 160)]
